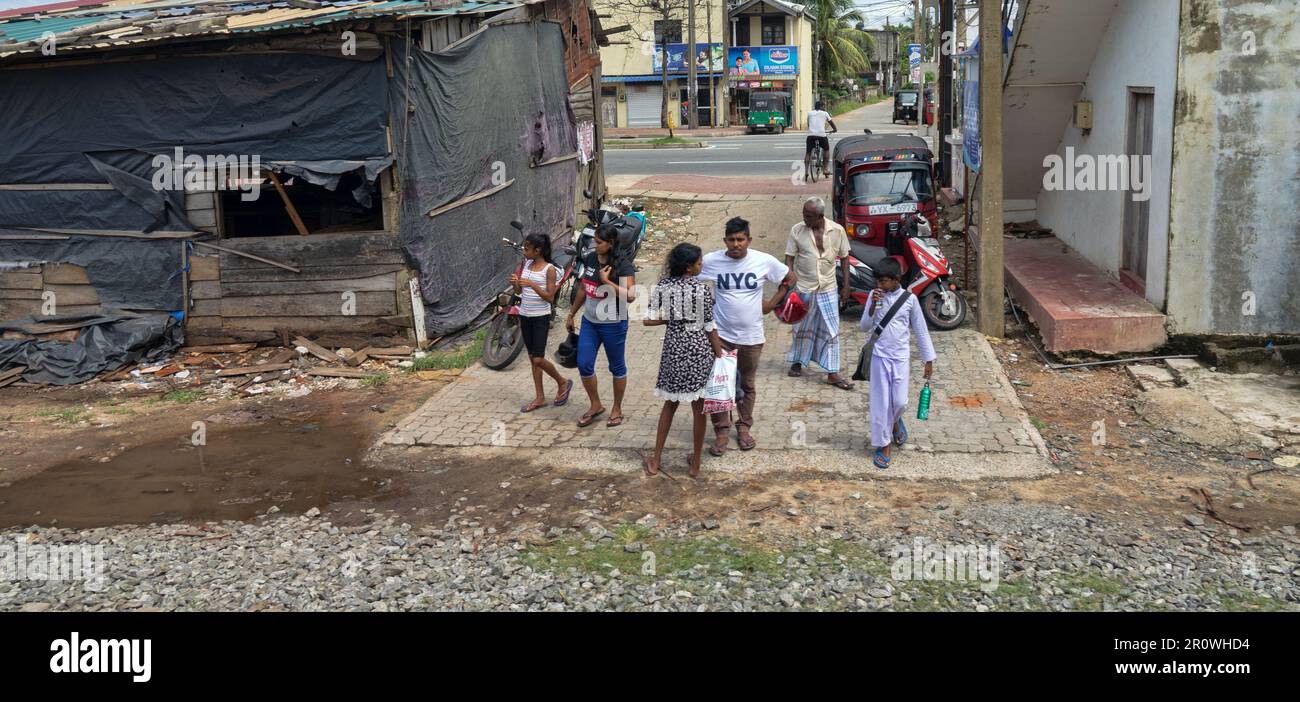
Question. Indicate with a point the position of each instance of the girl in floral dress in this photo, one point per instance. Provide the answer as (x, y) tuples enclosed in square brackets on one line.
[(683, 303)]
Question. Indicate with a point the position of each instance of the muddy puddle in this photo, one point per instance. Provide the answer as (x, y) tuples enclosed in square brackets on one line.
[(293, 464)]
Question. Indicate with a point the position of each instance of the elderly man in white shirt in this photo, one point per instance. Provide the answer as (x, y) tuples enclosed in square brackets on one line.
[(812, 250)]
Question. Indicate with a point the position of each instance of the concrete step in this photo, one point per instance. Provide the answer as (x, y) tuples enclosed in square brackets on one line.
[(1077, 306)]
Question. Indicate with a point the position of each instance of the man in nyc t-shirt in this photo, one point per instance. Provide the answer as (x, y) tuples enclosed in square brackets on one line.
[(738, 274)]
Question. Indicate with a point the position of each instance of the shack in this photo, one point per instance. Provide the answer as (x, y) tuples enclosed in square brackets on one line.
[(259, 169)]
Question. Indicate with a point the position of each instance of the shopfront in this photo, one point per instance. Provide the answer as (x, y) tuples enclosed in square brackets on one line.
[(756, 70)]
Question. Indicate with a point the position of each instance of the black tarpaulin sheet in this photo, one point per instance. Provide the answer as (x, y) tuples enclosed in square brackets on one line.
[(129, 272), (483, 112), (110, 340), (312, 116)]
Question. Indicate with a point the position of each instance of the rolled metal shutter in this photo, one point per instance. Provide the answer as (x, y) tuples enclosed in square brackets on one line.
[(643, 104)]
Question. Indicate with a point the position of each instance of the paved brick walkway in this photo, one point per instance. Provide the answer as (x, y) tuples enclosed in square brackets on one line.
[(977, 427)]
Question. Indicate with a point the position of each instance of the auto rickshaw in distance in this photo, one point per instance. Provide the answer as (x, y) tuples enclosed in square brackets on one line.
[(884, 195), (906, 103), (767, 110)]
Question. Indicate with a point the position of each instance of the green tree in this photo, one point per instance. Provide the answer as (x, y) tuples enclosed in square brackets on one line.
[(840, 49)]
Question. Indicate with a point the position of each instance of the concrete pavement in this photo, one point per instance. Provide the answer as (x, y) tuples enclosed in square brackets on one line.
[(977, 427)]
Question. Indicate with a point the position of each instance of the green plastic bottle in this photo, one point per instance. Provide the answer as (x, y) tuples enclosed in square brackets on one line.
[(923, 404)]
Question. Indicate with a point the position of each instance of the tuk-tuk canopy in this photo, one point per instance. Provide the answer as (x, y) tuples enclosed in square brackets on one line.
[(767, 100), (864, 146)]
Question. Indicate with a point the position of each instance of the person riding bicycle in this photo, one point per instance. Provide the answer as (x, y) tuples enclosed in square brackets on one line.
[(817, 121)]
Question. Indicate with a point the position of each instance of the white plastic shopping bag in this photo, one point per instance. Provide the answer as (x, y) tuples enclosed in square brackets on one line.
[(720, 393)]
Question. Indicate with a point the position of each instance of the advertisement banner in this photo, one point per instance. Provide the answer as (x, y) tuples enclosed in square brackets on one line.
[(708, 58), (914, 62), (763, 60), (970, 118)]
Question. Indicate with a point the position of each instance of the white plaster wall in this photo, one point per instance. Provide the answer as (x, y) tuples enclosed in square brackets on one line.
[(1139, 49)]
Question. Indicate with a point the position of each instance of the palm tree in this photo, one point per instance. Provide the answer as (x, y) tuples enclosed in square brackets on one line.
[(840, 49)]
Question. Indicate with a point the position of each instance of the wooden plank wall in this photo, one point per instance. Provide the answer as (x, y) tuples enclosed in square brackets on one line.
[(242, 298), (22, 291)]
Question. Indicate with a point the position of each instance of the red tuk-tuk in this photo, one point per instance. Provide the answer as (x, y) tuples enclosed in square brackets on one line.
[(878, 177), (884, 195)]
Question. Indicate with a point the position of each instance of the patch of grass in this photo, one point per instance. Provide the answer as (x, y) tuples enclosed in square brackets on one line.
[(375, 380), (718, 556), (71, 415), (453, 358), (183, 397), (841, 106), (1239, 601), (672, 140), (1039, 424), (122, 410)]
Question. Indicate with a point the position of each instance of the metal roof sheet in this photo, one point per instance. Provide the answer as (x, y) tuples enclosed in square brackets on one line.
[(124, 22)]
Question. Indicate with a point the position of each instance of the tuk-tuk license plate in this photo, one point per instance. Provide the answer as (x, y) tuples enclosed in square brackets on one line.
[(900, 208)]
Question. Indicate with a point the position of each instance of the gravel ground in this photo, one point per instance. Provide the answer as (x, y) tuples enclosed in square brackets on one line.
[(1050, 558)]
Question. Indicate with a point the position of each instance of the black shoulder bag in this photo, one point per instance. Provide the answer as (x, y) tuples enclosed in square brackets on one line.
[(863, 371)]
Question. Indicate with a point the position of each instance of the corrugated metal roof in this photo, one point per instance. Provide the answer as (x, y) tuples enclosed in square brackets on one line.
[(128, 22)]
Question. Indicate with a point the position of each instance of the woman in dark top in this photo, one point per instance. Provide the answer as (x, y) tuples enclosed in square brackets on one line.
[(684, 303), (606, 290)]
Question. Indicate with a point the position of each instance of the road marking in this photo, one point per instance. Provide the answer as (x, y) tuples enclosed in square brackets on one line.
[(680, 163)]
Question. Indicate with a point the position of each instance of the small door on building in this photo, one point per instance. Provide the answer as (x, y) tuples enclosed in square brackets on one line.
[(1137, 215), (644, 100), (609, 106)]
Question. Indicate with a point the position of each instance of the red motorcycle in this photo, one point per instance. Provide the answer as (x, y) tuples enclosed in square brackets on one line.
[(926, 272)]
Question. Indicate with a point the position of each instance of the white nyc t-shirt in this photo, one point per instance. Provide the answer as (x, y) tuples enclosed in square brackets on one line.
[(817, 122), (738, 293)]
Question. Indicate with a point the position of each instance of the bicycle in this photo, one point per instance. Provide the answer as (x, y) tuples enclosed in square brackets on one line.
[(817, 162)]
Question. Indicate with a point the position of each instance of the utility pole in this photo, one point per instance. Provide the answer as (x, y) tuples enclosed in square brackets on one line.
[(708, 47), (946, 49), (991, 322), (692, 89)]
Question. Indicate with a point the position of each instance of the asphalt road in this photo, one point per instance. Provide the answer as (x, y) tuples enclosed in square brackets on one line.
[(750, 155)]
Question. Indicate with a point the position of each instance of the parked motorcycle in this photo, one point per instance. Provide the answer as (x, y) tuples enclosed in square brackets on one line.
[(504, 339), (926, 272), (632, 231)]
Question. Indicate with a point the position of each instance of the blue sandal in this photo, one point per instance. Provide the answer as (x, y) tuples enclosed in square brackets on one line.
[(880, 459), (900, 433)]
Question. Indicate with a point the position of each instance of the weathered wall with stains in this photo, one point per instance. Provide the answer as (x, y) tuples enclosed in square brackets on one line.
[(1234, 228)]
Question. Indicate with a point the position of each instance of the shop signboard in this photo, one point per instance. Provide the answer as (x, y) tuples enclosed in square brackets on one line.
[(763, 61), (708, 58)]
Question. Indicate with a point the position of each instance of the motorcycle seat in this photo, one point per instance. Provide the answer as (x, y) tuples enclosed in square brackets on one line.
[(866, 253)]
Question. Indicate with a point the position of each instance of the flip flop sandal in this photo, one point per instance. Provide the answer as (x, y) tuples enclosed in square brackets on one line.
[(717, 450), (746, 442), (615, 421), (900, 434), (841, 384), (563, 398), (880, 459), (795, 372), (532, 406), (588, 419)]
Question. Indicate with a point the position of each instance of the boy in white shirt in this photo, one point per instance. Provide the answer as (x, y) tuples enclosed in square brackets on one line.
[(890, 358)]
